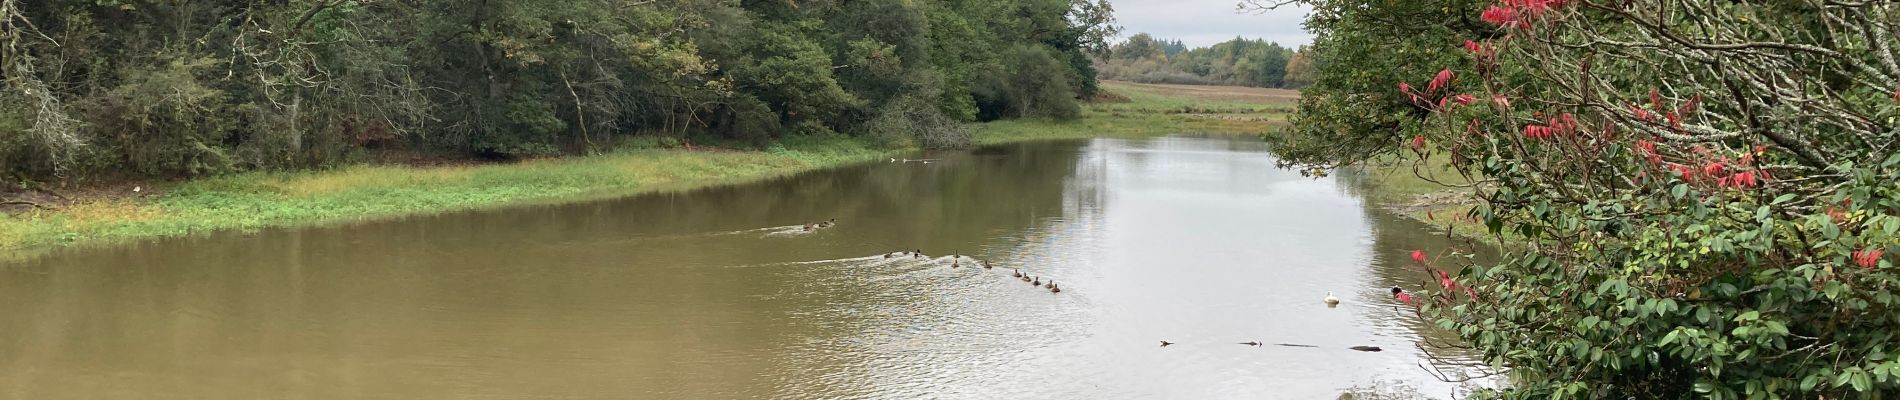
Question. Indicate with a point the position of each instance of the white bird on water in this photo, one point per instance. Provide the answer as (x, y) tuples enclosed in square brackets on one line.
[(1330, 300)]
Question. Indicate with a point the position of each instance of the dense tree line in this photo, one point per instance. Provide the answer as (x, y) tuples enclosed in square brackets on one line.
[(1703, 194), (200, 87), (1238, 62)]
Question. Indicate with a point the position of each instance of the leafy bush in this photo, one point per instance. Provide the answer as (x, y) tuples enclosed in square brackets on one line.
[(163, 120), (1030, 84), (1706, 192), (915, 116)]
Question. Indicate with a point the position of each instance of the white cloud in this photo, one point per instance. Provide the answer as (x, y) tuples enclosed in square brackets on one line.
[(1201, 23)]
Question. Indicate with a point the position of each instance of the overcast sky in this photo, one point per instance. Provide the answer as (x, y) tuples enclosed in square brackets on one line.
[(1205, 22)]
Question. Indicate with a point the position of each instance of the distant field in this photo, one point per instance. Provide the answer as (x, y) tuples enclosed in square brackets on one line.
[(1223, 93), (1233, 109), (1157, 110)]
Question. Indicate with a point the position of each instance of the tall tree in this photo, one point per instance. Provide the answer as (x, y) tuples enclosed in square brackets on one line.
[(96, 88)]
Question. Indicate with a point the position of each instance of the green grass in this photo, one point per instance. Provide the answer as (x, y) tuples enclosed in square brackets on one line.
[(274, 199), (1147, 113), (1427, 191), (256, 200)]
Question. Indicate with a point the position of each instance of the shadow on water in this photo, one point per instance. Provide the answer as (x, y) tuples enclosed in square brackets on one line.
[(719, 293)]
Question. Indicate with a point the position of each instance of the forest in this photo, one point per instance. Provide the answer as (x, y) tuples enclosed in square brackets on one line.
[(1699, 197), (1238, 62), (115, 89)]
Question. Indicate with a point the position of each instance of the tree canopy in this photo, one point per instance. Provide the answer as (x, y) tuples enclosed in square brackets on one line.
[(130, 87), (1237, 62)]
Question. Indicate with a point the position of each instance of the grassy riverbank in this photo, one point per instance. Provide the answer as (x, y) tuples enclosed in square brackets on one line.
[(269, 199), (366, 192), (1428, 192)]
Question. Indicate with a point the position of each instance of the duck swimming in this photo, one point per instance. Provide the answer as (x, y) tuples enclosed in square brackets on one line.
[(1366, 348), (1053, 288), (1256, 344), (1017, 274), (986, 265), (1035, 282), (1165, 343), (1330, 300)]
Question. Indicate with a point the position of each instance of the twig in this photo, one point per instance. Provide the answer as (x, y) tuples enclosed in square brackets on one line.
[(27, 203)]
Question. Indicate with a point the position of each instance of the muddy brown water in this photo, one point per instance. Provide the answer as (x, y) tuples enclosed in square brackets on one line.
[(719, 293)]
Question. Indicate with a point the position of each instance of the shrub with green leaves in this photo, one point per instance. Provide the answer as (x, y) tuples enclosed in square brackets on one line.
[(1705, 194)]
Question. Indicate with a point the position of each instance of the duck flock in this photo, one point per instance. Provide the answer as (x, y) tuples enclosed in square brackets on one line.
[(956, 261)]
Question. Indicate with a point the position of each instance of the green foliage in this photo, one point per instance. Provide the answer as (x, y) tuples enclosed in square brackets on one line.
[(914, 115), (1300, 70), (131, 88), (1030, 84), (1238, 62), (1687, 229), (165, 120), (1142, 46), (1353, 112)]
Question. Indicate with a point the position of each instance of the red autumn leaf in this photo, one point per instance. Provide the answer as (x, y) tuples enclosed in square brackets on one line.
[(1440, 81), (1418, 256), (1714, 168), (1500, 16), (1689, 107), (1445, 281), (1685, 171), (1868, 258), (1647, 149)]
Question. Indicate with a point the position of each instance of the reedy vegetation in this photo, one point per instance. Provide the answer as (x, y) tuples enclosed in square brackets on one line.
[(1706, 190), (132, 88)]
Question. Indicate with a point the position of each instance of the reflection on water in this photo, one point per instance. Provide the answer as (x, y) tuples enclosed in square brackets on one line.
[(721, 294)]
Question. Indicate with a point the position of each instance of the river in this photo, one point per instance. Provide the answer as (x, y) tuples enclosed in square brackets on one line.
[(720, 293)]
